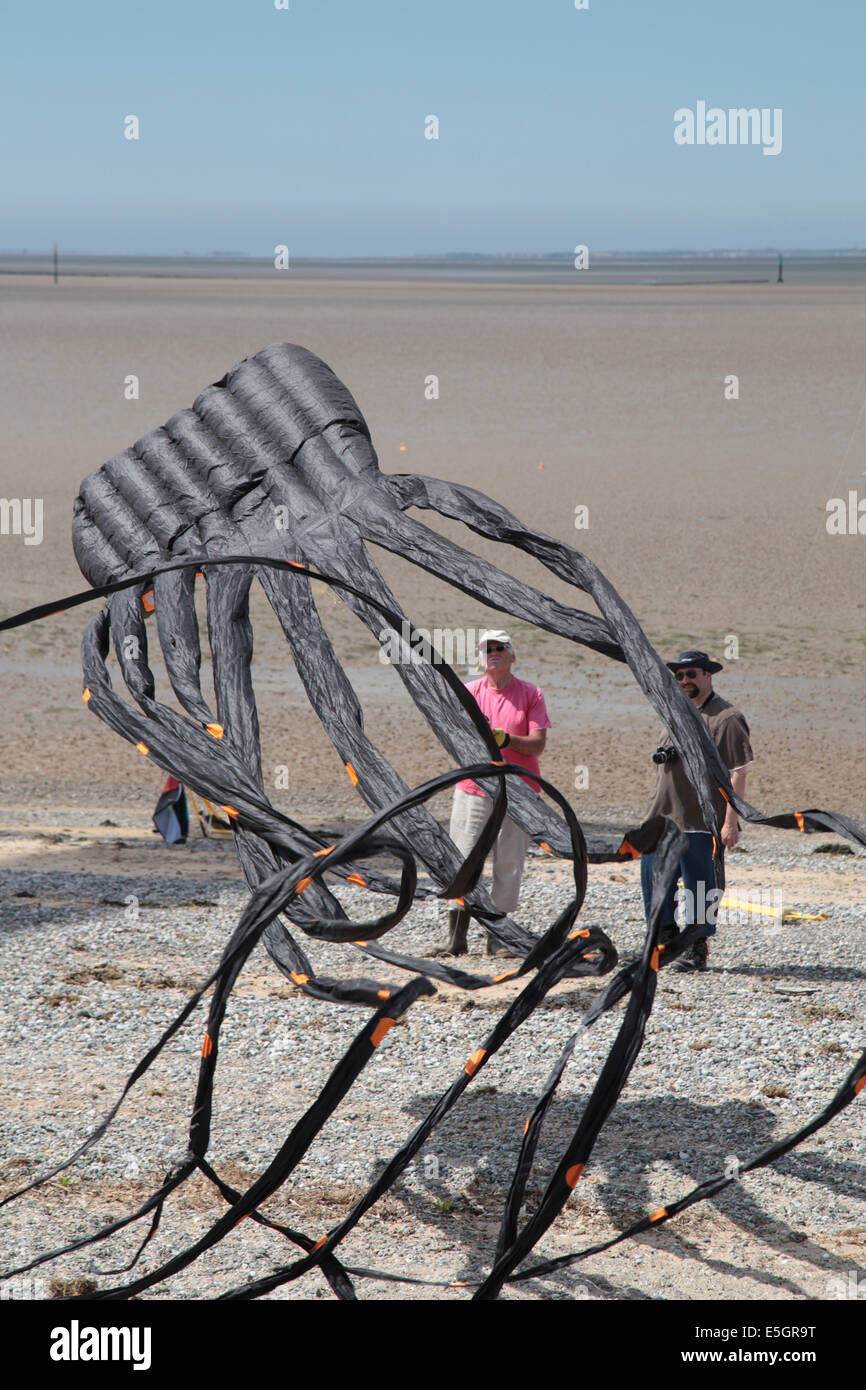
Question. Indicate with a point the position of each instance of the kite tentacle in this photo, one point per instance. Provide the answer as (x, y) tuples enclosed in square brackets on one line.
[(379, 782), (427, 688), (177, 626), (478, 577), (231, 642), (697, 750)]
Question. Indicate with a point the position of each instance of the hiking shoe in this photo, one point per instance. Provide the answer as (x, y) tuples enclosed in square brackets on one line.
[(693, 958), (668, 934)]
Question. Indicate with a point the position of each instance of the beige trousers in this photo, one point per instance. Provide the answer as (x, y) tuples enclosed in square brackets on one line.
[(469, 815)]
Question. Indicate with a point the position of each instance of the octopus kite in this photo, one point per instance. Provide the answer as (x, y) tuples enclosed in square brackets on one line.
[(272, 476)]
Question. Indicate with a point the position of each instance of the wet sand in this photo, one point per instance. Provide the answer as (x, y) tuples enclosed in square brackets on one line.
[(707, 514)]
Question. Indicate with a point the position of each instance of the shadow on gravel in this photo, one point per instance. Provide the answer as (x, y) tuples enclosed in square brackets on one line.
[(839, 973), (692, 1140), (29, 901)]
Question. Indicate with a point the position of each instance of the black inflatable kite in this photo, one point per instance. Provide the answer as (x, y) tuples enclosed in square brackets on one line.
[(272, 475)]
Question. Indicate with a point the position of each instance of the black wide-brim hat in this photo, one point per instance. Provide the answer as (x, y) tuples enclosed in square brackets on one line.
[(695, 658)]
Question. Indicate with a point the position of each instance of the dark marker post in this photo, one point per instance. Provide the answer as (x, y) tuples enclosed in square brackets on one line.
[(779, 276)]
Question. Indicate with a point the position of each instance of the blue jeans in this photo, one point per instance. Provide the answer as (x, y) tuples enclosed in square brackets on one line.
[(699, 882)]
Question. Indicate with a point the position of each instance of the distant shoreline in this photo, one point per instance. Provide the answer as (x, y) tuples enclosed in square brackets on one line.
[(605, 268)]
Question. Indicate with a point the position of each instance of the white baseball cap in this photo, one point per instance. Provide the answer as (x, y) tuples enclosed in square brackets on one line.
[(495, 635)]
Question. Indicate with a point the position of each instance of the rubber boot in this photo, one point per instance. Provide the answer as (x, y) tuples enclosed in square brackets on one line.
[(458, 929), (495, 948)]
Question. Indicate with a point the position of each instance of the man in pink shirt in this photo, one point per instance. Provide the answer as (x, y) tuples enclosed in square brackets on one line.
[(517, 715)]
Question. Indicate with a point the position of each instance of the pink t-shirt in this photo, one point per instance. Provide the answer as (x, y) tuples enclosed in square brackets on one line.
[(518, 709)]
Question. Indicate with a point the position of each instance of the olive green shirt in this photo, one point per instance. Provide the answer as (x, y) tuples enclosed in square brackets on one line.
[(675, 796)]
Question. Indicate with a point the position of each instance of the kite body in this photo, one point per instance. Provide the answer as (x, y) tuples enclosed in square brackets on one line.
[(275, 460)]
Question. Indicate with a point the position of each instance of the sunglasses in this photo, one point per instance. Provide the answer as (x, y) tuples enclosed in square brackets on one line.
[(688, 675), (489, 649)]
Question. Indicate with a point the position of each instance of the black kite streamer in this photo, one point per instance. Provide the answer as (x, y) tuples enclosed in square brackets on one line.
[(272, 475)]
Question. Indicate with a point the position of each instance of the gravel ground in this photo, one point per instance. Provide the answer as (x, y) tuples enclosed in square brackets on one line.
[(733, 1060)]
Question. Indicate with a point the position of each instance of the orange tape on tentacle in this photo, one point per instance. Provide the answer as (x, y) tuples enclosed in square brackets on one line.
[(382, 1027), (475, 1061)]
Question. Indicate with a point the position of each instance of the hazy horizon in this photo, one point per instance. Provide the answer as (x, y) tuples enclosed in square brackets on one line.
[(301, 256)]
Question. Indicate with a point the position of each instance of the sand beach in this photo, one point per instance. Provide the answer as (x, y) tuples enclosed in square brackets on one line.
[(707, 513)]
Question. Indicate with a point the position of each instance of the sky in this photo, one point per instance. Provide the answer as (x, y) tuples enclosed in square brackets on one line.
[(305, 126)]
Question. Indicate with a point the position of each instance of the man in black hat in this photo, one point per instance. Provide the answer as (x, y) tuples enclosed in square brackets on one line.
[(676, 798)]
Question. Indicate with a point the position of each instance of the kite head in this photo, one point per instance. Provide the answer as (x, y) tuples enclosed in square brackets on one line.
[(259, 456)]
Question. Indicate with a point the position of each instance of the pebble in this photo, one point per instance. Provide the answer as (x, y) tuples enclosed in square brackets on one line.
[(90, 986)]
